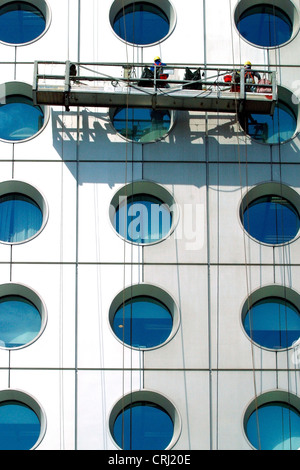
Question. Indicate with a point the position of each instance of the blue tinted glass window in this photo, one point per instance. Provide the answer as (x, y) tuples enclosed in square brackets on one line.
[(143, 219), (19, 118), (274, 426), (20, 218), (20, 22), (272, 220), (265, 25), (141, 23), (20, 321), (141, 125), (143, 426), (19, 426), (274, 129), (273, 323), (143, 322)]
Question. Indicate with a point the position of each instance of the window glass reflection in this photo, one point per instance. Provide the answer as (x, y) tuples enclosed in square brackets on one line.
[(143, 219), (141, 23), (275, 129), (19, 426), (274, 426), (19, 118), (272, 220), (20, 22), (142, 125), (265, 25), (273, 323), (20, 218), (20, 321), (143, 322), (143, 426)]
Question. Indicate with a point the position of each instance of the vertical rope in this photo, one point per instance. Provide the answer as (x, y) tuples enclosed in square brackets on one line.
[(124, 246), (244, 235), (284, 247)]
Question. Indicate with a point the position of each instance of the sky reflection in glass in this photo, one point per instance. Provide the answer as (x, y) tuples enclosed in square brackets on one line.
[(274, 426), (20, 218), (143, 426), (143, 322), (141, 23), (272, 220), (272, 129), (141, 125), (20, 321), (265, 25), (273, 323), (20, 23), (143, 219), (19, 118), (19, 426)]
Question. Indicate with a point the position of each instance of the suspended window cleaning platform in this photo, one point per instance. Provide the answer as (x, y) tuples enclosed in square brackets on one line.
[(173, 87)]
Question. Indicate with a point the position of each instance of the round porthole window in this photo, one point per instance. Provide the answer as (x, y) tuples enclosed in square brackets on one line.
[(23, 316), (20, 119), (143, 316), (277, 128), (267, 24), (144, 420), (271, 317), (23, 22), (141, 124), (142, 23), (272, 421), (23, 212), (22, 421), (143, 213), (270, 213)]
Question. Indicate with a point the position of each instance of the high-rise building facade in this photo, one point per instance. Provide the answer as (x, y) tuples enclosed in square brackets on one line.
[(149, 255)]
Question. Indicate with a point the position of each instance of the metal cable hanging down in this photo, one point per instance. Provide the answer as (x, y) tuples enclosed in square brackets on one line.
[(246, 261)]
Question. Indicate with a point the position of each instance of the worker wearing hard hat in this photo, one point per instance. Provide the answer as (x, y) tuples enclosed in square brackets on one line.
[(158, 66), (250, 76), (157, 63)]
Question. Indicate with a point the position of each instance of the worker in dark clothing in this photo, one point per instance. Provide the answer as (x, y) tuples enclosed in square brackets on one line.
[(250, 76), (158, 65), (148, 75), (157, 68)]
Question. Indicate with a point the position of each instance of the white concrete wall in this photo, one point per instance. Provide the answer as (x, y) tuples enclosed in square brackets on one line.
[(77, 369)]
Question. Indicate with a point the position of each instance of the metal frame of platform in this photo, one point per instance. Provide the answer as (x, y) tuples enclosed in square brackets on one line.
[(98, 88)]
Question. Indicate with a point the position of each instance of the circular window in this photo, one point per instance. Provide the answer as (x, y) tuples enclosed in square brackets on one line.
[(271, 129), (143, 213), (142, 125), (23, 212), (20, 321), (271, 218), (273, 323), (22, 421), (143, 322), (266, 24), (142, 23), (143, 426), (144, 421), (144, 316), (271, 317), (273, 422), (20, 119), (23, 22), (143, 218), (23, 316), (21, 218)]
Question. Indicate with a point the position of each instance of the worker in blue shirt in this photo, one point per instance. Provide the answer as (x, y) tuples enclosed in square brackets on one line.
[(158, 65)]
